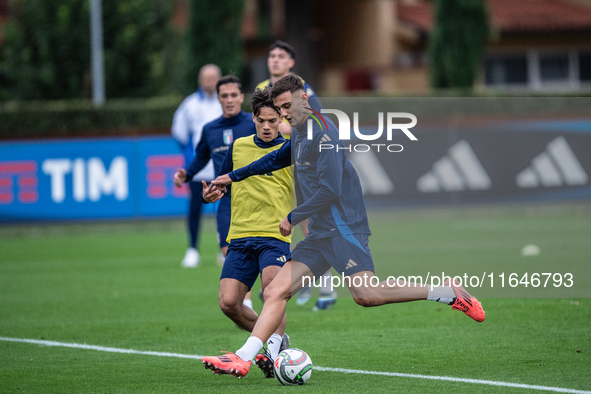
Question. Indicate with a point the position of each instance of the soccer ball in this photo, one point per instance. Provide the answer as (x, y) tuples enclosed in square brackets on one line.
[(293, 367)]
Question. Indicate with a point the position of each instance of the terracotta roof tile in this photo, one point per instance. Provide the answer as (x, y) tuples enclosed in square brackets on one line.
[(512, 15)]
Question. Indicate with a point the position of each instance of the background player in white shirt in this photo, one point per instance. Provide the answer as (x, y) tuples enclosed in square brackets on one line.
[(195, 111)]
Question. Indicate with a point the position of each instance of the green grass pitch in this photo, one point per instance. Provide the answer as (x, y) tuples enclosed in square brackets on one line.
[(121, 285)]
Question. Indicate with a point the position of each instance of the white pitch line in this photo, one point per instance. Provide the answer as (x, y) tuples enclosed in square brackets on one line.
[(322, 369), (451, 379), (99, 348)]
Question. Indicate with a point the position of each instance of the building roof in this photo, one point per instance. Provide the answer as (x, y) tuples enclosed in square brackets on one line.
[(511, 15)]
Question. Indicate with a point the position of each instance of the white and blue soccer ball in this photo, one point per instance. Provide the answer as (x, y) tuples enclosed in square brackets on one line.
[(293, 367)]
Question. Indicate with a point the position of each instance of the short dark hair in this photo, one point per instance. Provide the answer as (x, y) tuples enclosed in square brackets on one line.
[(261, 98), (228, 79), (289, 83), (285, 46)]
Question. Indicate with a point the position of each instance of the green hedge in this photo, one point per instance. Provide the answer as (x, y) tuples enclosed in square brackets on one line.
[(125, 117), (79, 118), (46, 119)]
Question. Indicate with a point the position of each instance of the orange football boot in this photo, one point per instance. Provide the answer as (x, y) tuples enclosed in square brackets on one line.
[(228, 363), (465, 302)]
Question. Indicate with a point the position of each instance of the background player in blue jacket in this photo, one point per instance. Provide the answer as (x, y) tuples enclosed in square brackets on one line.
[(216, 138), (329, 194)]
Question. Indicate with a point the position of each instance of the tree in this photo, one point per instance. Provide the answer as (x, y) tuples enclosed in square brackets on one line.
[(137, 39), (46, 51), (457, 43), (214, 37)]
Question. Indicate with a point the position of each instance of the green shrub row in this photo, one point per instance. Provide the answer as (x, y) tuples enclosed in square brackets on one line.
[(47, 119), (79, 118)]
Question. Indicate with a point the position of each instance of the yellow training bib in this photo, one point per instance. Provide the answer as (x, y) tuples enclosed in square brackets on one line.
[(260, 202)]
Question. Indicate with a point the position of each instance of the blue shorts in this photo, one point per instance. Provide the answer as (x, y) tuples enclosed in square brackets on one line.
[(247, 257), (223, 216), (347, 254)]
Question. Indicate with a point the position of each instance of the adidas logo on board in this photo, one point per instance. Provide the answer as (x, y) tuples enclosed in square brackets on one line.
[(459, 170), (556, 166)]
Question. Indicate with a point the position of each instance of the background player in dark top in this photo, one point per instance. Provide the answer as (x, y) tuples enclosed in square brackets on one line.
[(329, 193), (216, 138)]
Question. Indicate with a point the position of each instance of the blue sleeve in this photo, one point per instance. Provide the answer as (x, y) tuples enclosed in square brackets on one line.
[(329, 170), (202, 156), (314, 102), (273, 161), (313, 99), (227, 164), (201, 197)]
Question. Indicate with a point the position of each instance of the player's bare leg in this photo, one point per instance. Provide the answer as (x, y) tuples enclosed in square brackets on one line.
[(221, 257), (384, 293), (229, 308), (388, 293), (248, 300), (224, 250), (231, 295), (306, 292), (287, 282), (267, 276), (277, 341)]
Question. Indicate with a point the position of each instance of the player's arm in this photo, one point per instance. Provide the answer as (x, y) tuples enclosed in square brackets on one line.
[(210, 193), (285, 128), (200, 160), (329, 170), (213, 193), (273, 161), (202, 156)]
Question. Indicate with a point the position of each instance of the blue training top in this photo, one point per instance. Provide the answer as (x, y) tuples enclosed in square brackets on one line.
[(216, 139), (326, 184)]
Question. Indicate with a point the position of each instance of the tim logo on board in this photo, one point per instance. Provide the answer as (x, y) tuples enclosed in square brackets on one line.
[(65, 181), (90, 179)]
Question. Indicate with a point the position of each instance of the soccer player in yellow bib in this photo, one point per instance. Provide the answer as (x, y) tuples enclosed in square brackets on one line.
[(280, 62), (258, 206)]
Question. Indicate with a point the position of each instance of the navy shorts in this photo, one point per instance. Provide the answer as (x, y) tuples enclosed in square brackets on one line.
[(223, 216), (347, 254), (247, 257)]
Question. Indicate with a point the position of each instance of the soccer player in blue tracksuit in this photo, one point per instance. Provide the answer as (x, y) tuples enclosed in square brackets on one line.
[(216, 138), (329, 194), (280, 61)]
